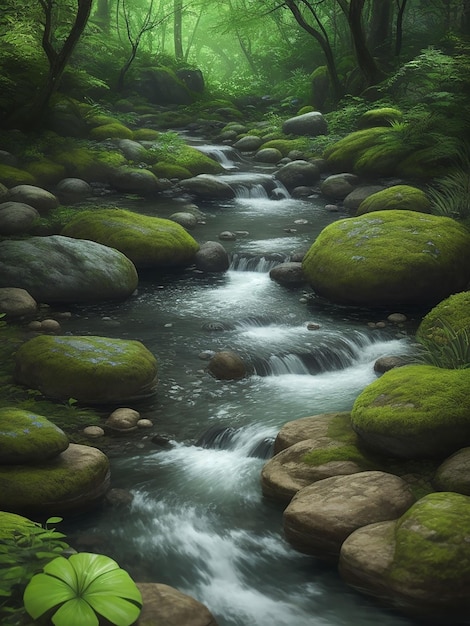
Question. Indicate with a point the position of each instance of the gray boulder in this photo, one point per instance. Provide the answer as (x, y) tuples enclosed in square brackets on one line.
[(61, 269), (339, 186), (212, 257), (207, 186), (16, 302), (311, 124), (249, 143), (357, 195), (288, 274), (16, 218), (298, 173), (268, 155), (454, 473), (71, 190), (42, 200)]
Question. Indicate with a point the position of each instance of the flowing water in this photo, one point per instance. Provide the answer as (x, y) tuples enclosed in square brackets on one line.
[(198, 520)]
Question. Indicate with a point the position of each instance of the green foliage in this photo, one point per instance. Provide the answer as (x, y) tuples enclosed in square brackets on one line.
[(23, 554), (82, 589), (450, 194), (450, 351)]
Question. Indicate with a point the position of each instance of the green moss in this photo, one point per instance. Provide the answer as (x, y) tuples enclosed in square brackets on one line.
[(424, 164), (305, 109), (146, 134), (342, 155), (431, 542), (387, 257), (187, 157), (88, 163), (30, 488), (91, 369), (100, 119), (170, 170), (286, 145), (46, 172), (111, 131), (453, 311), (339, 453), (379, 160), (409, 400), (383, 116), (147, 241), (12, 176), (401, 197)]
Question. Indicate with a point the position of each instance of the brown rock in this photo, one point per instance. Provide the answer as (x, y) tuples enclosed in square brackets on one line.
[(166, 606)]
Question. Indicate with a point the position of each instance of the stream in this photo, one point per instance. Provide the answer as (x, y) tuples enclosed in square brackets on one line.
[(198, 520)]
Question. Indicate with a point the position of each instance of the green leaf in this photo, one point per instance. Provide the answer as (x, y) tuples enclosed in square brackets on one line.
[(54, 520), (62, 569), (89, 566), (76, 612), (43, 592), (114, 583), (116, 610)]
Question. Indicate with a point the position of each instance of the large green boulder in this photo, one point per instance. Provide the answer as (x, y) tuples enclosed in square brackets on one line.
[(61, 269), (415, 411), (147, 241), (452, 314), (389, 258), (95, 370), (401, 197), (26, 437), (420, 563), (72, 482)]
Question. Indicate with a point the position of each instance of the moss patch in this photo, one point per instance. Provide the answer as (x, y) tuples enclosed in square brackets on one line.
[(46, 172), (163, 169), (12, 176), (383, 116), (286, 145), (111, 131), (454, 311), (398, 197), (431, 542), (147, 241)]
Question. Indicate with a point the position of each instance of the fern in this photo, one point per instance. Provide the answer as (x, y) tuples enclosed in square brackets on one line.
[(450, 194), (452, 352)]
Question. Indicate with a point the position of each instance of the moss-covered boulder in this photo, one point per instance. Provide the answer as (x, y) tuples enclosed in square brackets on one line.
[(113, 130), (11, 176), (163, 169), (92, 164), (26, 437), (46, 172), (342, 155), (451, 316), (419, 564), (389, 258), (401, 197), (97, 370), (147, 241), (135, 180), (73, 482), (415, 411), (61, 269)]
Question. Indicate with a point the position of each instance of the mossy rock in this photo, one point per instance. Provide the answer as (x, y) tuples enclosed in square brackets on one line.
[(92, 165), (73, 482), (100, 119), (287, 145), (26, 437), (162, 169), (12, 176), (420, 563), (96, 370), (454, 311), (424, 164), (389, 258), (147, 241), (146, 134), (46, 172), (398, 197), (193, 160), (111, 131), (415, 411), (383, 116), (342, 155), (381, 159)]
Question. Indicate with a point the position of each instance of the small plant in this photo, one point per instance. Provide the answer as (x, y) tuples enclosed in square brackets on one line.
[(81, 590), (22, 555), (449, 349), (450, 194)]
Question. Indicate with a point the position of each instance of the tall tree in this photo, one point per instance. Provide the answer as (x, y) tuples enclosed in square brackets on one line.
[(366, 62), (178, 28), (58, 52)]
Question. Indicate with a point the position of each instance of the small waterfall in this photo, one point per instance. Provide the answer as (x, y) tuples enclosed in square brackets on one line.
[(255, 263), (228, 438), (225, 155), (255, 185)]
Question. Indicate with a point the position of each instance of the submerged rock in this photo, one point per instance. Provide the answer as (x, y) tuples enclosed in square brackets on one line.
[(97, 370)]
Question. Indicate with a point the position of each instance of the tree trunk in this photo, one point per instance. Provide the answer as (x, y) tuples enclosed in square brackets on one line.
[(399, 27), (31, 115), (380, 28), (102, 15), (178, 28), (365, 60), (322, 39)]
